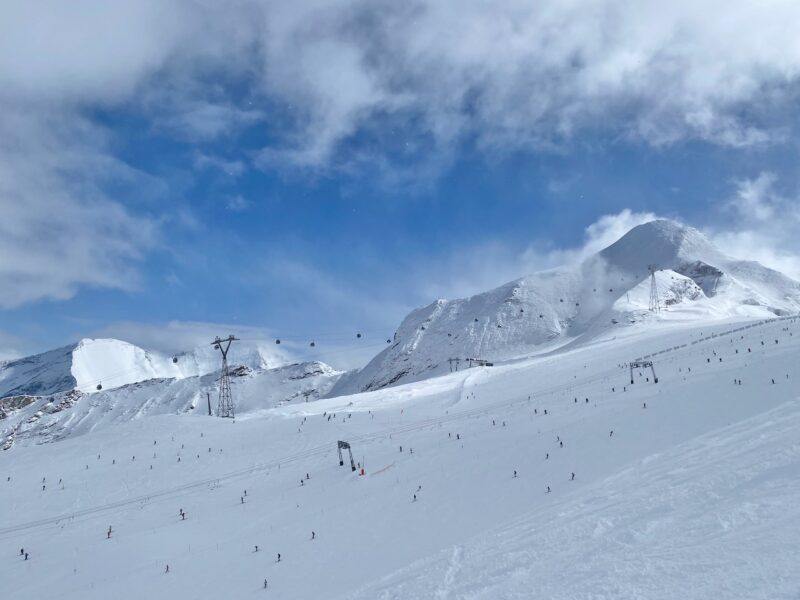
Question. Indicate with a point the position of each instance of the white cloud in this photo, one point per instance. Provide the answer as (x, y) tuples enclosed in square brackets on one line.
[(765, 225), (58, 229), (233, 168), (516, 74), (201, 120), (413, 78), (237, 203), (756, 199), (475, 269), (340, 351), (504, 75), (178, 336)]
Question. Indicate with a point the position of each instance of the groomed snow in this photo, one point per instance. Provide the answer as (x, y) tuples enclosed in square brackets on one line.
[(694, 496)]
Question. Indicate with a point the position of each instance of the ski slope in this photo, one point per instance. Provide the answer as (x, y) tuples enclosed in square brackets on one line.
[(695, 494)]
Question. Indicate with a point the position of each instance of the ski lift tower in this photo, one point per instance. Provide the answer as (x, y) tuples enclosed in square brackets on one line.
[(654, 304), (225, 405)]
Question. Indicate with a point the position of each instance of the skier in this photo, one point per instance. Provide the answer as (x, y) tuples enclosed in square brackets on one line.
[(548, 490), (415, 498), (515, 474), (21, 551), (242, 499), (573, 477), (256, 547), (108, 533), (611, 433), (644, 404), (313, 535), (166, 570), (26, 556), (561, 444), (279, 557), (547, 456), (265, 584)]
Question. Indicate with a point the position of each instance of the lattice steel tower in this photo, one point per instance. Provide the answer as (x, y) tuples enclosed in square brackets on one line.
[(225, 404), (654, 305)]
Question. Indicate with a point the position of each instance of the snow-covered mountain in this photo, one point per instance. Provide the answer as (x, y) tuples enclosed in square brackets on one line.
[(111, 363), (96, 383), (607, 291), (38, 419)]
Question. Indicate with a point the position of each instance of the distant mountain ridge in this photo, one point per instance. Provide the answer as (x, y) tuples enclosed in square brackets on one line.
[(112, 363)]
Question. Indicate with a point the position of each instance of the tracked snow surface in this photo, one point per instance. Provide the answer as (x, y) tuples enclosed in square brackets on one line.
[(549, 475)]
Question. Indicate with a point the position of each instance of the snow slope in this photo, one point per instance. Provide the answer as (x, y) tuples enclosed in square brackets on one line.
[(57, 416), (608, 291), (694, 495), (114, 363)]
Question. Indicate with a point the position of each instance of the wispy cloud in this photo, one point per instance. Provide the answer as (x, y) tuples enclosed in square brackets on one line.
[(58, 229), (237, 203), (233, 168), (765, 224)]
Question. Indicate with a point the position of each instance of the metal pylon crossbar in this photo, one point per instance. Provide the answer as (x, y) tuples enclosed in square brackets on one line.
[(345, 446), (643, 364)]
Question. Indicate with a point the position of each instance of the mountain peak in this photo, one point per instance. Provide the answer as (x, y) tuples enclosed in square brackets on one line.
[(661, 242)]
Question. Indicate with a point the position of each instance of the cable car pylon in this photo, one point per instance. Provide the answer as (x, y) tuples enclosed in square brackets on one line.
[(225, 406)]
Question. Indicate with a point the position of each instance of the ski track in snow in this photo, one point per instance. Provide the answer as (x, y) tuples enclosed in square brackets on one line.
[(646, 533)]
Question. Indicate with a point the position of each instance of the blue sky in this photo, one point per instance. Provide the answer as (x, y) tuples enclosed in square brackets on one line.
[(169, 172)]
